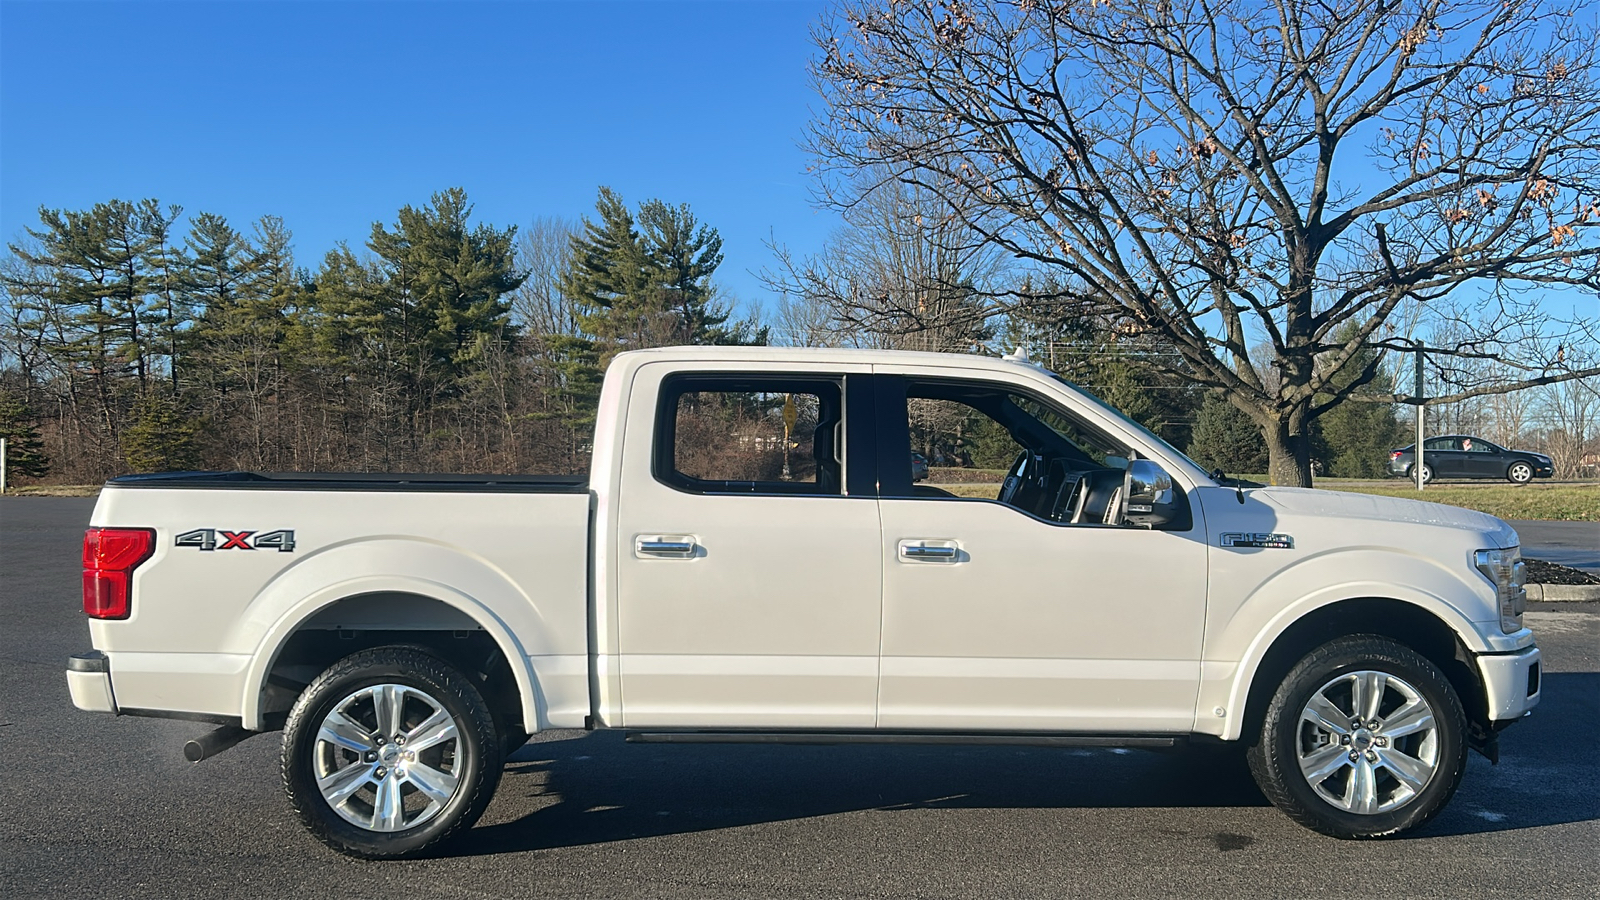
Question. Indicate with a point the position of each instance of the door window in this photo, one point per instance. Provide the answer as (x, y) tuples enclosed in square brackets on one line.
[(744, 435), (994, 443)]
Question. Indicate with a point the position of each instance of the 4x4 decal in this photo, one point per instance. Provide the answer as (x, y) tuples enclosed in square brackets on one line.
[(207, 539)]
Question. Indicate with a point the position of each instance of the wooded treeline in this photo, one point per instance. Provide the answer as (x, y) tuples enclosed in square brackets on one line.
[(130, 343), (442, 344)]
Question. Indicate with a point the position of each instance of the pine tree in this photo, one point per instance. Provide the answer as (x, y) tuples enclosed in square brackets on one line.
[(683, 255), (25, 454), (1226, 439), (1354, 438), (445, 284), (612, 278), (163, 436)]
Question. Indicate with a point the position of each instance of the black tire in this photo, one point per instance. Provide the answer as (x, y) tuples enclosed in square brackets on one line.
[(471, 756), (1275, 758), (1519, 472), (1427, 473)]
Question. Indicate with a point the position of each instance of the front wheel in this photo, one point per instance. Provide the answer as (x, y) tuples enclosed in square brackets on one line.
[(1364, 738), (389, 753), (1519, 473)]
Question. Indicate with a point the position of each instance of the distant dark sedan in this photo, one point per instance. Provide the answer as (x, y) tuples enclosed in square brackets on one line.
[(1464, 456)]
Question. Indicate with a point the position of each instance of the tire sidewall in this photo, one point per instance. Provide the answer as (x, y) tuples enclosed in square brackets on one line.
[(1427, 474), (475, 734), (1281, 734)]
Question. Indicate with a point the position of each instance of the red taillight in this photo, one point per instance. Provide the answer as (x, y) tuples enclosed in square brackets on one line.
[(109, 557), (1395, 454)]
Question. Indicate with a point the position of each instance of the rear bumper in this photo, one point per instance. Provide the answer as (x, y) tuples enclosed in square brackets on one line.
[(89, 681), (1511, 683)]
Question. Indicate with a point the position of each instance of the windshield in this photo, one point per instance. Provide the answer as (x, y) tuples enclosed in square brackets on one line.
[(1149, 435)]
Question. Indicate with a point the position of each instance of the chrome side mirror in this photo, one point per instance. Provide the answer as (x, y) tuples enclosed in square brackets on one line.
[(1149, 499)]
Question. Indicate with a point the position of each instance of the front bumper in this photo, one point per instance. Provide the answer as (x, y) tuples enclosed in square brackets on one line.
[(89, 681), (1511, 683)]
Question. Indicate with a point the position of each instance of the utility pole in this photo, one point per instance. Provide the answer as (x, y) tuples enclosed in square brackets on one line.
[(2, 465)]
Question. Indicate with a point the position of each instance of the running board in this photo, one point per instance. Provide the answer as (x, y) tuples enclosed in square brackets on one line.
[(1141, 741)]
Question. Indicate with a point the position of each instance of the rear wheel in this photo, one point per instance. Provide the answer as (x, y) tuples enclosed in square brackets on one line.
[(1427, 473), (1519, 473), (389, 753), (1365, 738)]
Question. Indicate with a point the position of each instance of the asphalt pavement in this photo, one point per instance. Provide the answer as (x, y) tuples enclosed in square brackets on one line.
[(97, 806), (1575, 544)]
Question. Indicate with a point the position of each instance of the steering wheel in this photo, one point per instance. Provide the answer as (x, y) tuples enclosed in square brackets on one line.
[(1027, 466)]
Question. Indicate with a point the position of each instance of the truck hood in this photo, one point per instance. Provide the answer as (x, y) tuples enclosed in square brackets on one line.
[(1338, 504)]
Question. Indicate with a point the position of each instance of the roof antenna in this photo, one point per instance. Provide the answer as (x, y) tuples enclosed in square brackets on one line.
[(1018, 355)]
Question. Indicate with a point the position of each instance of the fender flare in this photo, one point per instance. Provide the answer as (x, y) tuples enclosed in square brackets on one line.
[(1245, 675), (277, 635)]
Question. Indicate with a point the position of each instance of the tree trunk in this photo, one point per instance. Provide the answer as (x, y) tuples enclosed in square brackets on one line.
[(1289, 455)]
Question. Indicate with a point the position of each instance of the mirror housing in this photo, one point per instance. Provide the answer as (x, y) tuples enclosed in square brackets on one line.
[(1149, 498)]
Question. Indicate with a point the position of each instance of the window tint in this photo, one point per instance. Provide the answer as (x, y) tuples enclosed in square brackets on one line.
[(989, 442), (744, 436), (1439, 444)]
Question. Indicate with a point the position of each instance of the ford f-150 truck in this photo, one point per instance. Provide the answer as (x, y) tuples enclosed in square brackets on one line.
[(750, 559)]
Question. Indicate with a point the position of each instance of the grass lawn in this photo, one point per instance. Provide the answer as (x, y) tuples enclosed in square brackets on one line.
[(1565, 501)]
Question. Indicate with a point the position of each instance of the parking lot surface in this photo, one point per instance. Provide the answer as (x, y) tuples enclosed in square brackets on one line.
[(96, 806)]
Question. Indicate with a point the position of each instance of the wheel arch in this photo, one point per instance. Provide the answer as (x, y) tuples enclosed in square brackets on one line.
[(444, 611), (1438, 634)]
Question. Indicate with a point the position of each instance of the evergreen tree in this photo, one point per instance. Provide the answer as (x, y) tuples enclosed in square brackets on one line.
[(611, 279), (1225, 438), (25, 454), (445, 284), (163, 436), (683, 255), (1354, 438)]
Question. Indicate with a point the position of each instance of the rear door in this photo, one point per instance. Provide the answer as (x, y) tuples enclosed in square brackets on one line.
[(1444, 456), (747, 569)]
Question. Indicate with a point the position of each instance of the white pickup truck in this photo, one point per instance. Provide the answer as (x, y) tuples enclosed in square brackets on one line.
[(751, 560)]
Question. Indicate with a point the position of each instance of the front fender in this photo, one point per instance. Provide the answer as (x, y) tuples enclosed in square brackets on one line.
[(1239, 635), (392, 565)]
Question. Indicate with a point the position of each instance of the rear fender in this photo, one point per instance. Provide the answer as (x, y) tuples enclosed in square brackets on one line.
[(390, 565)]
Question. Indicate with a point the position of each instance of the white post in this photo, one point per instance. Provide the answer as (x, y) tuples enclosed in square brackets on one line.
[(1421, 418), (2, 465)]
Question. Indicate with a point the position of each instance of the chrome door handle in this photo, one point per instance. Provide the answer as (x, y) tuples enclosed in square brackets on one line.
[(667, 546), (930, 551)]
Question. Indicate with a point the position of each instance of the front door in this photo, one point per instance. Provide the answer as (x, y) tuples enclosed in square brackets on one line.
[(748, 578), (1014, 606)]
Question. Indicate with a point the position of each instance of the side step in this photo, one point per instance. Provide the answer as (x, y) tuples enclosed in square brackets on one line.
[(1140, 741)]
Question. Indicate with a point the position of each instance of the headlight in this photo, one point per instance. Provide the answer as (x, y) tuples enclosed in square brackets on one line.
[(1507, 572)]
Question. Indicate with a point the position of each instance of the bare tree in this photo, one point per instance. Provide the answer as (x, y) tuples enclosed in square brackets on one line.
[(1223, 173), (1572, 410), (901, 273)]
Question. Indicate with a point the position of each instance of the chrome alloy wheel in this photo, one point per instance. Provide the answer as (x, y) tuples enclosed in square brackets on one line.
[(388, 757), (1368, 742)]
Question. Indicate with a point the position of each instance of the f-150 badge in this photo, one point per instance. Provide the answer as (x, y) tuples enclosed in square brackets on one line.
[(1257, 539), (222, 539)]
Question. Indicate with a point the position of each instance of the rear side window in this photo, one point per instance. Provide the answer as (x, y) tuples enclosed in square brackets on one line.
[(750, 435)]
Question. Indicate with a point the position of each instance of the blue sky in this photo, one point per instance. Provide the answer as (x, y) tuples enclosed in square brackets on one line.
[(334, 115)]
